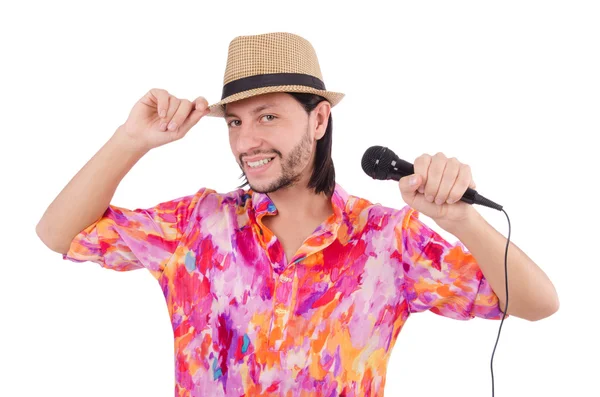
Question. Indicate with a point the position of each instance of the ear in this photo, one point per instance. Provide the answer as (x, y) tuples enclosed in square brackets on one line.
[(321, 113)]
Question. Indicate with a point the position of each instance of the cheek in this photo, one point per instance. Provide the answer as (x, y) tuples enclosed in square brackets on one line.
[(232, 146), (232, 142)]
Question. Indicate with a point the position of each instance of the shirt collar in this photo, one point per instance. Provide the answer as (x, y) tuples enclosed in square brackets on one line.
[(262, 203), (337, 228)]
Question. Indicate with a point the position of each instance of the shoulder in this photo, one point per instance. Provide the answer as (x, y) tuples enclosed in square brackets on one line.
[(361, 208), (392, 225), (208, 195), (210, 200)]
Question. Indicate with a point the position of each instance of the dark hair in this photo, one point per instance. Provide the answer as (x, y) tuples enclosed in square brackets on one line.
[(323, 175)]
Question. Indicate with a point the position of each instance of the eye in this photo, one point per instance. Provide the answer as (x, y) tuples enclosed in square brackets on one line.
[(234, 125)]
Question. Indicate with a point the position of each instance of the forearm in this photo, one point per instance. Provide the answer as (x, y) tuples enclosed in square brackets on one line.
[(87, 196), (532, 295)]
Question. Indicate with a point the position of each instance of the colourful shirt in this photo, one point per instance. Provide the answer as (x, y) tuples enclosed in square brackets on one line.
[(249, 322)]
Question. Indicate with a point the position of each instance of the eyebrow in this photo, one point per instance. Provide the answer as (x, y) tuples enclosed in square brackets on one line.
[(256, 110)]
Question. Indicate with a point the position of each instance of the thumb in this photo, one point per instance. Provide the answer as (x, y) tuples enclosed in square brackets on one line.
[(409, 184)]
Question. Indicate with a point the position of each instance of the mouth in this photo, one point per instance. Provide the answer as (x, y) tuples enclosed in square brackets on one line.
[(258, 163), (257, 166)]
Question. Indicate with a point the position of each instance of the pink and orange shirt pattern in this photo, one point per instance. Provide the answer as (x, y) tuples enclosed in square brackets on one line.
[(247, 321)]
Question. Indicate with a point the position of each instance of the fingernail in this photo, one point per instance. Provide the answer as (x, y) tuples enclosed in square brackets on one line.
[(172, 126), (163, 126), (163, 113), (429, 198), (413, 180), (439, 201), (450, 201), (421, 189)]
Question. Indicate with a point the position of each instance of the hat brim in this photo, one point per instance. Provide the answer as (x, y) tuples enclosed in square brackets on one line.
[(216, 109)]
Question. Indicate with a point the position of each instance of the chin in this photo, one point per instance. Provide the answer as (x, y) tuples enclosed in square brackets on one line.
[(261, 187), (273, 185)]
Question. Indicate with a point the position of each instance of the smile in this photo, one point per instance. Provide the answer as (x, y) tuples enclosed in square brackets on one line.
[(256, 164)]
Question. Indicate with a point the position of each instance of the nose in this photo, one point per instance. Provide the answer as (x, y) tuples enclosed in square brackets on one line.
[(246, 139)]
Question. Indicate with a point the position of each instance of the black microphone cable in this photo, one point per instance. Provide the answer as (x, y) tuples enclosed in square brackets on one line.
[(506, 305)]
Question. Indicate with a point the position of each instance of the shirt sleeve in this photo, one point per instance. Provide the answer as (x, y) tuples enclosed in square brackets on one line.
[(442, 277), (124, 239)]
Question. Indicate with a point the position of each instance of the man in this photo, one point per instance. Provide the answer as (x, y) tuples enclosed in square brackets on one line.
[(292, 287)]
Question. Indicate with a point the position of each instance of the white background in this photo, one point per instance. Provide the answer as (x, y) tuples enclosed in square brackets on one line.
[(510, 88)]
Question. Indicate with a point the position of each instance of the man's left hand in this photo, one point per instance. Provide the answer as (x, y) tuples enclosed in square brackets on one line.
[(440, 184)]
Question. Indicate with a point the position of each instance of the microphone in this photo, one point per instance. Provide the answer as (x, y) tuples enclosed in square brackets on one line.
[(382, 163)]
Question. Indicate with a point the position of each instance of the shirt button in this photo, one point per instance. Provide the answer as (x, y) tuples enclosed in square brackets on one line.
[(284, 279)]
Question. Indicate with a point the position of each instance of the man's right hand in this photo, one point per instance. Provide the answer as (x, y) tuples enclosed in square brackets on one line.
[(148, 123)]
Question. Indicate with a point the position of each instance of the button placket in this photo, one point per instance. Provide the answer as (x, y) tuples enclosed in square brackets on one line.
[(284, 299)]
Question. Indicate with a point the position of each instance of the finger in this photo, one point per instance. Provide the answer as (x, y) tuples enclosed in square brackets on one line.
[(200, 103), (448, 180), (173, 106), (162, 101), (409, 185), (472, 185), (193, 118), (180, 115), (421, 167), (461, 185), (434, 176)]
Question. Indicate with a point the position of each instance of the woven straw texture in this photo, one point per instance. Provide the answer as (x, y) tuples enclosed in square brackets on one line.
[(278, 52)]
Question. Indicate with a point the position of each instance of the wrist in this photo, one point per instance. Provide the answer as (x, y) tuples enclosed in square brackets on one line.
[(125, 141), (472, 221)]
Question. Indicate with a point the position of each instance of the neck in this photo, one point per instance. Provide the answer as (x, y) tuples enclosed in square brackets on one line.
[(298, 202)]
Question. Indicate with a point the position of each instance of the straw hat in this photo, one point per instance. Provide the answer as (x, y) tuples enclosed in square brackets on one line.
[(271, 62)]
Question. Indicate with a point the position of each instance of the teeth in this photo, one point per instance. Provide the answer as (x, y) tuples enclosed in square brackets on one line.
[(258, 163)]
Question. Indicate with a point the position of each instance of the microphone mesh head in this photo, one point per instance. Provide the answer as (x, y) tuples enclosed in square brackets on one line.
[(370, 161)]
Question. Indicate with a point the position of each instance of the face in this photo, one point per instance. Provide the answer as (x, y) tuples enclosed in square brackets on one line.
[(273, 139)]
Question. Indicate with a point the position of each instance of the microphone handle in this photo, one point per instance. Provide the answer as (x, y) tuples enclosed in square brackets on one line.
[(470, 197)]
